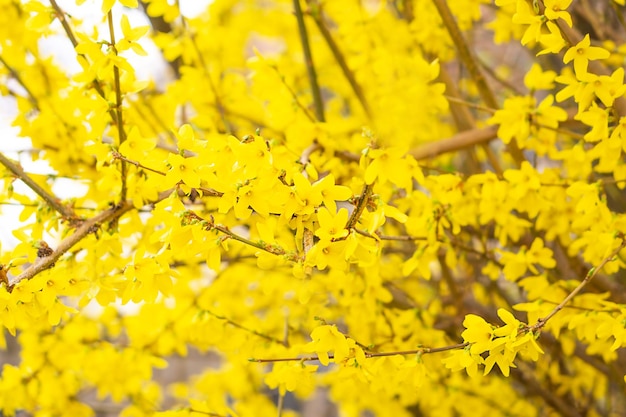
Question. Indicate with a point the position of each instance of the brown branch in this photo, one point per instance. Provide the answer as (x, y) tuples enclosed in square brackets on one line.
[(50, 199), (117, 155), (159, 24), (464, 121), (459, 141), (360, 206), (18, 78), (316, 13), (60, 14), (274, 249), (242, 327), (433, 149), (422, 351), (573, 36), (470, 63), (85, 228), (118, 105), (308, 59), (590, 275)]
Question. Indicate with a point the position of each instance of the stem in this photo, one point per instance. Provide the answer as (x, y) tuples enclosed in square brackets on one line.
[(117, 155), (51, 200), (280, 405), (241, 327), (273, 248), (60, 14), (16, 76), (340, 58), (207, 191), (590, 275), (118, 105), (218, 101), (360, 206), (433, 149), (308, 59), (423, 351), (293, 94), (471, 64)]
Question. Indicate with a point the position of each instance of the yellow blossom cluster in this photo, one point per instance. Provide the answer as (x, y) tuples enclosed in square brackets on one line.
[(357, 200)]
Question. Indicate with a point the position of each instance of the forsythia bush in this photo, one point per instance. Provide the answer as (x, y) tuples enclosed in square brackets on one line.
[(412, 207)]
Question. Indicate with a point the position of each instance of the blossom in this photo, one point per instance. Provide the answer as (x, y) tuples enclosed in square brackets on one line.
[(582, 53)]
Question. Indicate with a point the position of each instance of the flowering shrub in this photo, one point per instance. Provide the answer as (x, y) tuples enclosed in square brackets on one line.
[(358, 197)]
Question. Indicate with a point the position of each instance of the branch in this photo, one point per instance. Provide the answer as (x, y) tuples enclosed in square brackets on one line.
[(159, 24), (573, 36), (86, 227), (360, 206), (51, 200), (470, 63), (18, 78), (60, 14), (433, 149), (207, 191), (241, 327), (459, 141), (118, 105), (422, 351), (274, 249), (590, 275), (339, 57), (308, 59)]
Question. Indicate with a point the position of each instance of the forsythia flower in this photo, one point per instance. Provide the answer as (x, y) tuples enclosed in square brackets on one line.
[(555, 9), (478, 332), (327, 338), (582, 53)]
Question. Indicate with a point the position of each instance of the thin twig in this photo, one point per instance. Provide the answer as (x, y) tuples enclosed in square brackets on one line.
[(118, 105), (316, 13), (274, 249), (117, 155), (207, 191), (50, 199), (423, 351), (590, 275), (18, 78), (310, 67), (220, 105), (293, 94), (241, 327), (60, 14)]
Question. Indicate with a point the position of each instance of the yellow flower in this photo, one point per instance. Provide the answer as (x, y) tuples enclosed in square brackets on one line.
[(331, 192), (327, 338), (107, 5), (555, 9), (478, 332), (582, 53), (135, 146), (332, 227), (131, 36), (182, 169)]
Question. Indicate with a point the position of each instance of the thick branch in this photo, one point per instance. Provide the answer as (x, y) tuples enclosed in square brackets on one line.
[(87, 227), (51, 200), (459, 141), (472, 66)]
